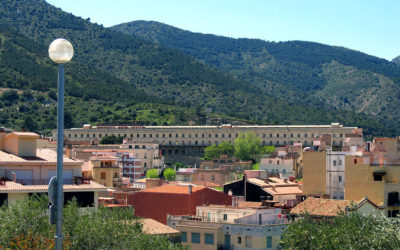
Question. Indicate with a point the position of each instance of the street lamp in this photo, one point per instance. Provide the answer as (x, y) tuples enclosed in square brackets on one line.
[(60, 52)]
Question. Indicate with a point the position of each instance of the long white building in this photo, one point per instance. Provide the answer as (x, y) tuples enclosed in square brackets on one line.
[(207, 135)]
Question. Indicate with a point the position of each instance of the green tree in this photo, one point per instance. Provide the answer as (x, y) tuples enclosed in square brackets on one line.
[(152, 173), (169, 174), (268, 149), (10, 95), (211, 152), (25, 225), (226, 148), (30, 124), (350, 231), (109, 139), (179, 165), (247, 145)]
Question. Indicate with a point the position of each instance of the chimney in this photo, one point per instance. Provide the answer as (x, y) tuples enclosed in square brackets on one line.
[(285, 180), (190, 189)]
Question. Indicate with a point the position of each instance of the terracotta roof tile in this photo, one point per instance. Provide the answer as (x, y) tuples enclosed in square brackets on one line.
[(321, 207), (151, 226)]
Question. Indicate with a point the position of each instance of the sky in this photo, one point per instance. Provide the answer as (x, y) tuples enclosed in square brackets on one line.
[(369, 26)]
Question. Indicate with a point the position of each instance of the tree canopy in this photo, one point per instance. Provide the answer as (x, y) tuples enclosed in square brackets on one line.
[(247, 145), (152, 173), (25, 225), (169, 174), (350, 231)]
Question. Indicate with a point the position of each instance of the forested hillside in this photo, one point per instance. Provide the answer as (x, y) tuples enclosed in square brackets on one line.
[(301, 72), (118, 78), (396, 60)]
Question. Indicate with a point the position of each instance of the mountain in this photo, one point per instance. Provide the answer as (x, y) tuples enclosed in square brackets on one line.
[(298, 71), (28, 92), (118, 78), (396, 60)]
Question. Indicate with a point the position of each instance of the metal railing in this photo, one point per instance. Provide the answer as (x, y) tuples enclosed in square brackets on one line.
[(66, 181)]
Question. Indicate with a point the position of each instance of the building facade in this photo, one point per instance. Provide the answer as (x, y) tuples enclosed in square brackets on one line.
[(208, 135), (26, 170)]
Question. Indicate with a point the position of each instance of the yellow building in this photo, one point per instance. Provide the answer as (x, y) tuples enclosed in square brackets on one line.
[(374, 173), (25, 169), (105, 170), (314, 173)]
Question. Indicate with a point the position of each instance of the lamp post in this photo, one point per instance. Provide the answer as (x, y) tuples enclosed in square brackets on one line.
[(60, 52)]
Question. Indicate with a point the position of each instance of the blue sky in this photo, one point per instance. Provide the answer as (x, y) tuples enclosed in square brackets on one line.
[(370, 26)]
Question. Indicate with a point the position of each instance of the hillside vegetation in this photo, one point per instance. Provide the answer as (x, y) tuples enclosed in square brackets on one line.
[(296, 71), (118, 78)]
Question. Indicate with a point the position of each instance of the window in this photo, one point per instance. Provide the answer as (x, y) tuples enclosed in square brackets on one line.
[(284, 135), (77, 135), (247, 241), (209, 239), (151, 135), (137, 135), (170, 135), (305, 135), (340, 178), (209, 135), (102, 175), (216, 135), (202, 135), (225, 216), (270, 135), (196, 238), (183, 135), (393, 198), (144, 135), (81, 135), (277, 135), (340, 162), (156, 135), (291, 135), (183, 237), (176, 135), (334, 162), (377, 177), (298, 135), (223, 135), (230, 135), (212, 177), (130, 146), (239, 240), (269, 241)]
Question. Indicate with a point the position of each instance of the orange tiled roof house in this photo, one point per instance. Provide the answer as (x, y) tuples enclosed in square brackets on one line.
[(25, 170)]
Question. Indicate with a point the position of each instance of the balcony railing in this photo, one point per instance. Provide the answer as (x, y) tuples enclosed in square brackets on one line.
[(66, 181)]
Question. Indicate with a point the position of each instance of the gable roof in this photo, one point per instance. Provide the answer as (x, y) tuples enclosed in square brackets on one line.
[(154, 227), (321, 207)]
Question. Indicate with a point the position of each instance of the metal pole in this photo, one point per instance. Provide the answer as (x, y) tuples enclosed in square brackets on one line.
[(60, 147)]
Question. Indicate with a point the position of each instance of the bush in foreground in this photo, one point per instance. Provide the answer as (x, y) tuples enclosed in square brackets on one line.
[(350, 231), (25, 225)]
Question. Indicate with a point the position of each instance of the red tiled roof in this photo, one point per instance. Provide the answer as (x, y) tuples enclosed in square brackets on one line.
[(173, 189), (321, 207)]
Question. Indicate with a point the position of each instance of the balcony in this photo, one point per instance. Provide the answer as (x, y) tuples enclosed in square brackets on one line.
[(66, 181)]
